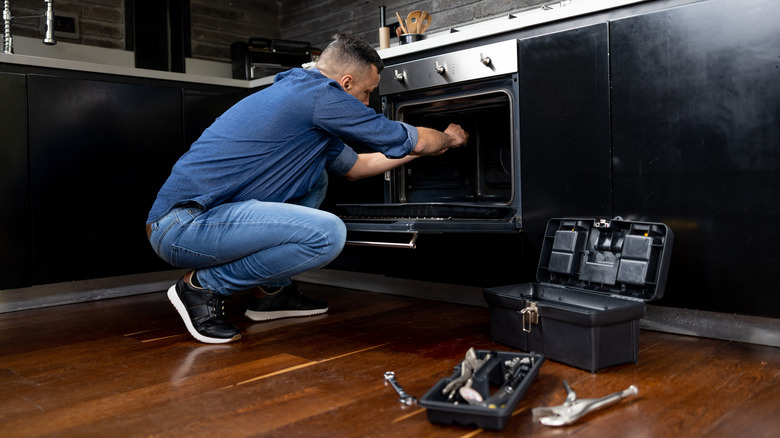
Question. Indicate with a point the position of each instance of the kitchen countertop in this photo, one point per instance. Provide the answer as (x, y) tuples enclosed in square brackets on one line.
[(91, 67), (555, 11)]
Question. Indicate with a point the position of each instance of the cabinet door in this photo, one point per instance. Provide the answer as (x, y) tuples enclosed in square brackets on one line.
[(203, 106), (564, 127), (99, 152), (696, 140), (16, 248)]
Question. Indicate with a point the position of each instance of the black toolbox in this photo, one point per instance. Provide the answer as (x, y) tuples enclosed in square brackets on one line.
[(594, 278), (501, 384)]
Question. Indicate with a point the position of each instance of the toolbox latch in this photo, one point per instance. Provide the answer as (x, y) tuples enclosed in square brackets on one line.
[(530, 315)]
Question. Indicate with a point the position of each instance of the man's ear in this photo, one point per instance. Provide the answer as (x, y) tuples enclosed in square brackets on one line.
[(346, 82)]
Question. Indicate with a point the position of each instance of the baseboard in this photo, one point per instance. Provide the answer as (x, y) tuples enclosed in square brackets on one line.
[(57, 294), (731, 327), (727, 326)]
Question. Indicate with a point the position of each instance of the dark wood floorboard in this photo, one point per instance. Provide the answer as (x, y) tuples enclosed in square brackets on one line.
[(127, 367)]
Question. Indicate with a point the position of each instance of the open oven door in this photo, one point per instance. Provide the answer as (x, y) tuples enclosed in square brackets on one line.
[(397, 225)]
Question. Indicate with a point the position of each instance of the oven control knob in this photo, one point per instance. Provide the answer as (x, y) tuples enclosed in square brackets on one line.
[(399, 76), (485, 59), (441, 68)]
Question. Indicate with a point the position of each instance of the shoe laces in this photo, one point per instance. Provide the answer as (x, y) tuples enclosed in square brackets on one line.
[(218, 306)]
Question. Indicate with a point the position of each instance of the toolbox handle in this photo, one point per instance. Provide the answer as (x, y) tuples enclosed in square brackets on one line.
[(530, 314)]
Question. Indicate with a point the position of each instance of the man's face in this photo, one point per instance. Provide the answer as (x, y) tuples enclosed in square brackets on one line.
[(362, 85)]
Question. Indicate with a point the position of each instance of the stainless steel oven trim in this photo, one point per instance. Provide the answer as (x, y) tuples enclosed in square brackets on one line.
[(432, 226), (476, 63), (462, 95), (412, 244)]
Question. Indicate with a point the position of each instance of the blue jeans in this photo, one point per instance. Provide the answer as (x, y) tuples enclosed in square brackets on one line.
[(241, 245)]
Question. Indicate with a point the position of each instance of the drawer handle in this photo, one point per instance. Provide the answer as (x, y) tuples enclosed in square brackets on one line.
[(411, 245)]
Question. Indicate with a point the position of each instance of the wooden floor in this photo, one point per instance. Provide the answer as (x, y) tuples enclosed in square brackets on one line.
[(126, 367)]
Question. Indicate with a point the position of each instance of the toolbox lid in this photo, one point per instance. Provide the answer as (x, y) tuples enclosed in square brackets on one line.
[(623, 258)]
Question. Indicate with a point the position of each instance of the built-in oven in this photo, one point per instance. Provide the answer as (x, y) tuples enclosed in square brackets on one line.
[(472, 189)]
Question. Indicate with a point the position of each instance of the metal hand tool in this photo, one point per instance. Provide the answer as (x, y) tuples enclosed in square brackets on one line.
[(515, 370), (471, 395), (405, 398), (511, 367), (468, 367), (573, 409)]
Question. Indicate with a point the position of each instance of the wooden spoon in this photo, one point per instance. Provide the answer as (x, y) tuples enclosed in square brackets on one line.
[(413, 21), (425, 21), (401, 23)]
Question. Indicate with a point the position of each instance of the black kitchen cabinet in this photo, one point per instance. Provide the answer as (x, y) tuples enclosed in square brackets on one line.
[(696, 144), (83, 156), (99, 151), (564, 130), (16, 243), (203, 105)]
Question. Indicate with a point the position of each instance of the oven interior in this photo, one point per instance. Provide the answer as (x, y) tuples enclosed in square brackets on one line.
[(479, 173), (477, 183)]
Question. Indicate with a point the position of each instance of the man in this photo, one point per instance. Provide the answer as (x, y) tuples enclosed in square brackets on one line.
[(240, 207)]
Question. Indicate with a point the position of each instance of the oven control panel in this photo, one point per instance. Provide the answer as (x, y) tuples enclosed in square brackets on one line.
[(450, 68)]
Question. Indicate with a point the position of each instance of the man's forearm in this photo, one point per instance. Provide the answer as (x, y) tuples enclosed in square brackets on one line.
[(376, 163), (431, 141)]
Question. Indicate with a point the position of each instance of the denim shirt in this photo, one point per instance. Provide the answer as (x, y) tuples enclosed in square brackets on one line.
[(274, 144)]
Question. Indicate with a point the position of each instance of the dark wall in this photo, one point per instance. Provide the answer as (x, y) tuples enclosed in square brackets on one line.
[(317, 21), (216, 24), (99, 23)]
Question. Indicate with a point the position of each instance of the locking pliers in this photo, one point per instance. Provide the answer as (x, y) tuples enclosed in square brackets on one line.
[(573, 409)]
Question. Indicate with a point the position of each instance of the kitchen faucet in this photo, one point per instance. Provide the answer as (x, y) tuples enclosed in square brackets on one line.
[(48, 36)]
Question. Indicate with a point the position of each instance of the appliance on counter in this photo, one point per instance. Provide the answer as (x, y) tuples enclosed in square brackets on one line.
[(260, 57)]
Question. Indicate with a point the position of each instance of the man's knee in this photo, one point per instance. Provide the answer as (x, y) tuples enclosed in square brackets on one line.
[(338, 232)]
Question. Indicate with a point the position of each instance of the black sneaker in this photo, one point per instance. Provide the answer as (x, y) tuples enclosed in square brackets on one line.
[(203, 313), (285, 302)]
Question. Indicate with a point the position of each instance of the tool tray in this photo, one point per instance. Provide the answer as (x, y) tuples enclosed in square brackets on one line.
[(487, 380), (594, 278)]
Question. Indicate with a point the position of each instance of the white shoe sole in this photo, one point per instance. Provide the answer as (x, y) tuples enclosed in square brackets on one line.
[(279, 314), (173, 297)]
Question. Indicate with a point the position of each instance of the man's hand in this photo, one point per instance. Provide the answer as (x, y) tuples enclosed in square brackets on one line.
[(458, 135)]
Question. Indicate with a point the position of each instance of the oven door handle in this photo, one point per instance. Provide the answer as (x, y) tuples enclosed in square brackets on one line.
[(411, 245)]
